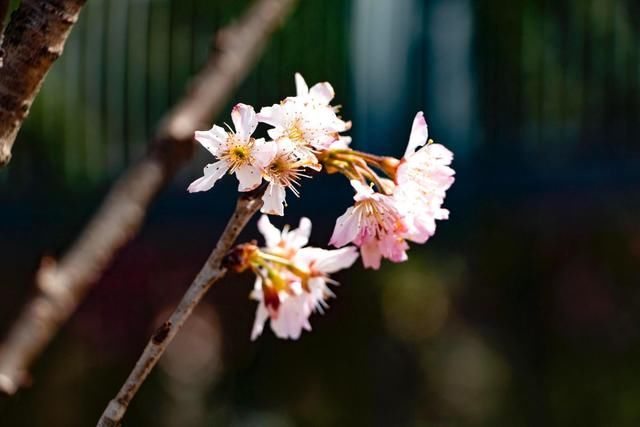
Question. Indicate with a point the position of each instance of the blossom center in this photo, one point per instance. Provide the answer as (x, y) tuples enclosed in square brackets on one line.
[(378, 219), (294, 133), (239, 154), (285, 171)]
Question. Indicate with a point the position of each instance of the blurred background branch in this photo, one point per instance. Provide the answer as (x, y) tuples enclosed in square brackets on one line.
[(33, 40), (62, 285)]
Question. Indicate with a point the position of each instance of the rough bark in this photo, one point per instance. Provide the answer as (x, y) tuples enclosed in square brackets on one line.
[(62, 285), (210, 273), (32, 41)]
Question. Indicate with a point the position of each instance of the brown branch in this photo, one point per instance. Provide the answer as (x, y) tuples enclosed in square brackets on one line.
[(210, 273), (63, 285), (33, 40)]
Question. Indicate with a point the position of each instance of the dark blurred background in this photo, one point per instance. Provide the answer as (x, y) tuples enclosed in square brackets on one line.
[(523, 310)]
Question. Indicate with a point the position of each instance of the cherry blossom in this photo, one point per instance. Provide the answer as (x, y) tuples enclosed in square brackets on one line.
[(237, 152), (292, 280), (373, 223), (423, 177), (287, 242), (284, 171), (307, 120), (396, 201)]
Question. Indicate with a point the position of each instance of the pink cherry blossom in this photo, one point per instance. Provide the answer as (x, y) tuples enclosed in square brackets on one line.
[(237, 152), (422, 178), (289, 300), (373, 223)]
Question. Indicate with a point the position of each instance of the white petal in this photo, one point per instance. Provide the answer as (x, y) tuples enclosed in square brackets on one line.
[(419, 134), (300, 236), (244, 120), (292, 318), (363, 191), (441, 153), (249, 177), (273, 200), (330, 261), (271, 234), (214, 139), (258, 325), (263, 152), (322, 92), (274, 116), (212, 173), (346, 228), (301, 86)]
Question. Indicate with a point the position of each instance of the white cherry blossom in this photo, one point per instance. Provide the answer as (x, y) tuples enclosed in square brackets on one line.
[(237, 152)]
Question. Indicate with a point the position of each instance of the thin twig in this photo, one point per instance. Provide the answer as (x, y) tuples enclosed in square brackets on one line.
[(63, 285), (32, 41), (210, 273)]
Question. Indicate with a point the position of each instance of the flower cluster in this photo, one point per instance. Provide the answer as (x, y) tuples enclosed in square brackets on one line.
[(396, 201), (303, 125), (291, 279)]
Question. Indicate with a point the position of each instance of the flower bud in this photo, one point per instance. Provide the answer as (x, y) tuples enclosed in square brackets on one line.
[(238, 259)]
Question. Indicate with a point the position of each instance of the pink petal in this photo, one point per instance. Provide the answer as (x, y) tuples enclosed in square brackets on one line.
[(346, 228), (371, 255), (419, 134)]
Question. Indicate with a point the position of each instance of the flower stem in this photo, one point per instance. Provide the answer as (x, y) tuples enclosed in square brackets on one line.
[(248, 204)]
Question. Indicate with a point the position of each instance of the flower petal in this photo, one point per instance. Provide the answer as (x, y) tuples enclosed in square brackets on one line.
[(362, 191), (322, 93), (249, 177), (371, 255), (300, 236), (274, 116), (346, 229), (329, 261), (212, 173), (419, 134), (301, 86), (271, 234), (263, 152), (214, 139), (244, 120), (273, 199), (293, 317), (261, 317)]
